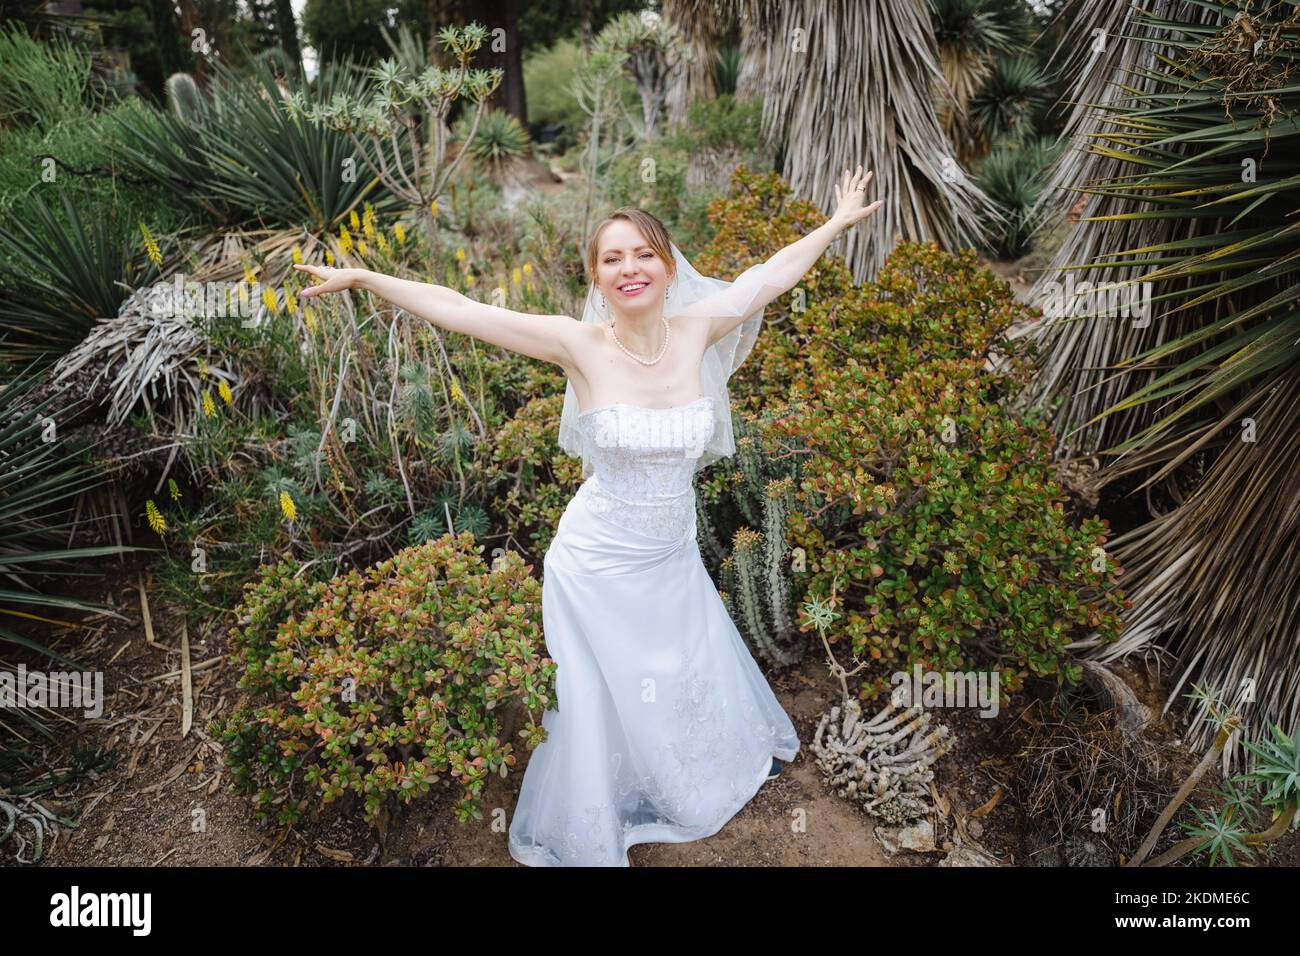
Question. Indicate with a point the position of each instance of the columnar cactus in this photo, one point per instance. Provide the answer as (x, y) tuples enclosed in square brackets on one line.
[(755, 575)]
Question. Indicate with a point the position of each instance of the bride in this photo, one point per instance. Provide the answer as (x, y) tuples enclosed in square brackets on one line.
[(664, 726)]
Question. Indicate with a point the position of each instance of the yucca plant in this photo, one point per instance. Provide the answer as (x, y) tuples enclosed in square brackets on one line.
[(60, 275), (43, 81), (1198, 210), (41, 476), (1013, 176), (1106, 54), (500, 140), (237, 154), (878, 62), (970, 35), (1005, 105)]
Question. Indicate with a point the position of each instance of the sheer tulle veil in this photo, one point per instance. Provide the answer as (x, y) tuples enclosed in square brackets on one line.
[(691, 295)]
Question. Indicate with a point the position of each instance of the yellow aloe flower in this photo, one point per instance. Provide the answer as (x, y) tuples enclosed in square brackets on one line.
[(400, 232), (290, 303), (203, 368), (383, 243), (456, 393), (151, 246), (309, 317), (469, 278), (329, 257), (362, 249), (173, 489), (352, 218), (209, 406), (297, 255), (460, 254), (528, 268), (249, 277), (287, 506), (224, 391), (156, 521), (433, 208), (518, 276), (345, 239), (268, 300)]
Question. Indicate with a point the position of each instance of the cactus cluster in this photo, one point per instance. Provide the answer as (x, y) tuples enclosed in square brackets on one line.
[(756, 570)]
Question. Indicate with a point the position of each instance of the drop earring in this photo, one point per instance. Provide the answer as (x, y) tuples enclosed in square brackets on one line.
[(603, 304)]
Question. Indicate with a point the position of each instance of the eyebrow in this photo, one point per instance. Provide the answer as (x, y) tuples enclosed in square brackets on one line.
[(608, 251)]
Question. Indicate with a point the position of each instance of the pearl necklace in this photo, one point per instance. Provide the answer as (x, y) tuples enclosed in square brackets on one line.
[(637, 357)]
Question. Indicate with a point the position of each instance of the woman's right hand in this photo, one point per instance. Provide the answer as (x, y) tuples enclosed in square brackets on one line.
[(332, 280)]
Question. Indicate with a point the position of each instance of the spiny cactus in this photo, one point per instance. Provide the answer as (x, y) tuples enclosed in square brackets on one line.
[(755, 573), (182, 96)]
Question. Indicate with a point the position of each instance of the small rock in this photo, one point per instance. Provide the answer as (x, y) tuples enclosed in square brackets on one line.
[(919, 838)]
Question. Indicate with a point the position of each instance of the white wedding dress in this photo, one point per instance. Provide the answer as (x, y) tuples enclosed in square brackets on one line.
[(665, 726)]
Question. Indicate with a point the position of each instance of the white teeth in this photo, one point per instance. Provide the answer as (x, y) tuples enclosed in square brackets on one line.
[(634, 285)]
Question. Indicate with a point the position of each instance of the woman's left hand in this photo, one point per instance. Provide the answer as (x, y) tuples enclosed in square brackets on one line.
[(851, 197)]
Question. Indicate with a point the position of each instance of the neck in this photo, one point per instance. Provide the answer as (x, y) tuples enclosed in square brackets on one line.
[(643, 334)]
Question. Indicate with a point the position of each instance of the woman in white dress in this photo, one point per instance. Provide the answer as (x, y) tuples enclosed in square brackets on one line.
[(664, 726)]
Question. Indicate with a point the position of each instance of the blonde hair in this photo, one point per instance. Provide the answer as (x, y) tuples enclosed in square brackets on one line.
[(656, 236)]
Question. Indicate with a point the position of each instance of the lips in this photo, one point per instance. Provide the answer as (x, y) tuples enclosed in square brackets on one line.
[(633, 288)]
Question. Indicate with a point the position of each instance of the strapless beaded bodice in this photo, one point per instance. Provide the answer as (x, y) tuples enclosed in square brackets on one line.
[(643, 462)]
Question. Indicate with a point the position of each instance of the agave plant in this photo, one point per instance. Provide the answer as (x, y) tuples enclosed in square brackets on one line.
[(1198, 211)]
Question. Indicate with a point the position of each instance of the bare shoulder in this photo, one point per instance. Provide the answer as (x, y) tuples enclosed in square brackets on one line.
[(584, 343)]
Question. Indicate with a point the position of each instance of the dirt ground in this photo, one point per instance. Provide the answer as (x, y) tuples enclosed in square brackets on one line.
[(165, 800)]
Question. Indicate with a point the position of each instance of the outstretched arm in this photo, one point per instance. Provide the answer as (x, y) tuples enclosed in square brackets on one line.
[(760, 284), (545, 337)]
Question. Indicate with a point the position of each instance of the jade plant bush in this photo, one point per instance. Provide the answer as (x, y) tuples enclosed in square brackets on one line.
[(380, 683), (934, 506)]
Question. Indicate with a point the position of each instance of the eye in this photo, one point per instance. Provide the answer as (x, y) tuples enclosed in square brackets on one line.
[(644, 254)]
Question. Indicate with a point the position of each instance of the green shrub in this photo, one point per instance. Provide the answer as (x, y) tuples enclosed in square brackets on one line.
[(548, 77), (378, 683)]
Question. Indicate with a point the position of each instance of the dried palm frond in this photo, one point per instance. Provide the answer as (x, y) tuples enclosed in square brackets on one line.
[(140, 354), (846, 83), (1218, 573), (1108, 54)]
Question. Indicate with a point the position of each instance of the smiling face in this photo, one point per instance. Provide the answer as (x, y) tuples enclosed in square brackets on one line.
[(631, 275)]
